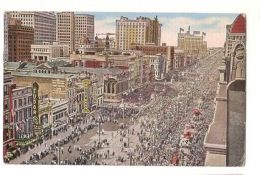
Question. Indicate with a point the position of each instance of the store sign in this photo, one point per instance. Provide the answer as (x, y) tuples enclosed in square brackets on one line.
[(86, 84), (35, 97)]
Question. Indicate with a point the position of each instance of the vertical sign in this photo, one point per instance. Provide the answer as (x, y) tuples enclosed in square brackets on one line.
[(86, 84), (37, 128)]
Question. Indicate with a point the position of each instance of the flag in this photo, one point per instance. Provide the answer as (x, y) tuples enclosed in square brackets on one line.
[(196, 32), (203, 33), (181, 30)]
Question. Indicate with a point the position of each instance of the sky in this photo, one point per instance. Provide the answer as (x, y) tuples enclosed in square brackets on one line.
[(213, 24)]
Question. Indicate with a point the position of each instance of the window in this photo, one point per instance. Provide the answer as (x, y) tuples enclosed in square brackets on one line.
[(20, 102), (24, 101), (15, 104)]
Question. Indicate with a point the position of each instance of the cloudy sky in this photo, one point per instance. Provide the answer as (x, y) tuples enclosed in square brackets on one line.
[(212, 24)]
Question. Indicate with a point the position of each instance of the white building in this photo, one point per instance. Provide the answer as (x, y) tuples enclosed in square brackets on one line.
[(157, 65), (59, 117), (43, 23), (46, 51)]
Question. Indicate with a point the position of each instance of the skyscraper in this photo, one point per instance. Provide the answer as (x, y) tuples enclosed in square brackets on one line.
[(72, 28), (43, 23)]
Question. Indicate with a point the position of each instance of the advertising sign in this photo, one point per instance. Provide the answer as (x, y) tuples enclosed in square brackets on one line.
[(35, 97), (86, 84)]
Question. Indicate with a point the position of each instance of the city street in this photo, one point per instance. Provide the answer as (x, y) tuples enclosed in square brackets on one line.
[(153, 136)]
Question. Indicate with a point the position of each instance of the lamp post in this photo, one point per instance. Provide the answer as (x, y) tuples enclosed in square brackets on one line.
[(58, 151)]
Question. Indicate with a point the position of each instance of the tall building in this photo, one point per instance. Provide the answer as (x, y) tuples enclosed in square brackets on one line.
[(192, 44), (20, 39), (65, 29), (43, 23), (140, 31), (73, 28), (84, 28)]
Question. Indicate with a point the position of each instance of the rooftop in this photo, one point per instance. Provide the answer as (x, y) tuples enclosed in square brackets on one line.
[(239, 25)]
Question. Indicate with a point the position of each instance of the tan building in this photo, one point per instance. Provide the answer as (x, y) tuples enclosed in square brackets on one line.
[(192, 44), (84, 28), (50, 85), (152, 49), (73, 28), (140, 31), (20, 39), (43, 23)]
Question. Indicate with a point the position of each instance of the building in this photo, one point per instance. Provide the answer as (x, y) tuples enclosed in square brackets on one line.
[(51, 85), (73, 28), (66, 29), (43, 23), (45, 117), (6, 22), (59, 116), (157, 65), (8, 115), (140, 31), (225, 140), (46, 51), (152, 49), (192, 44), (22, 109), (84, 28), (20, 39)]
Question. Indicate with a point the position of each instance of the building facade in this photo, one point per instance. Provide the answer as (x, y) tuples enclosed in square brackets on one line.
[(8, 115), (46, 51), (59, 116), (23, 118), (192, 44), (43, 23), (157, 65), (20, 39), (84, 28), (73, 28), (140, 31), (152, 49)]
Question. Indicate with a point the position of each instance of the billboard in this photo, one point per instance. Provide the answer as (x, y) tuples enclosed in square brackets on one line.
[(35, 97), (86, 84)]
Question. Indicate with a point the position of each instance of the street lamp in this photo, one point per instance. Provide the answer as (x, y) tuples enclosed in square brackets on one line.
[(99, 120), (58, 152)]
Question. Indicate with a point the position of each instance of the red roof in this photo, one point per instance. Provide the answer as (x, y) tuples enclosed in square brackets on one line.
[(239, 25)]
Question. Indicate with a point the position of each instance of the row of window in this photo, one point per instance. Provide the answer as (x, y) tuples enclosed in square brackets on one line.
[(22, 102)]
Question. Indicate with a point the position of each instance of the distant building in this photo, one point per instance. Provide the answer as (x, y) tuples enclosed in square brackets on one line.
[(20, 39), (43, 23), (140, 31), (152, 49), (157, 65), (73, 28), (192, 44), (46, 51)]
